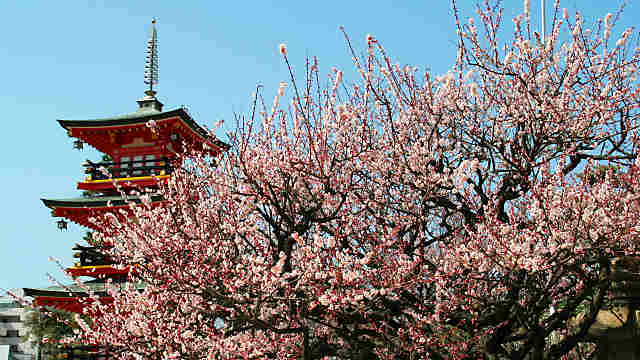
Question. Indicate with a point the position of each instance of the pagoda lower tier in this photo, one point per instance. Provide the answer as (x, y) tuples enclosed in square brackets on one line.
[(73, 298), (69, 298)]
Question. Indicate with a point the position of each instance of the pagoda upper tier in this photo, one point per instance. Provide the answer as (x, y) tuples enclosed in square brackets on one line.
[(142, 148), (141, 144)]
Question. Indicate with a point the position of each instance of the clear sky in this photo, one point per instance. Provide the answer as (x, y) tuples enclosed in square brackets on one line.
[(84, 59)]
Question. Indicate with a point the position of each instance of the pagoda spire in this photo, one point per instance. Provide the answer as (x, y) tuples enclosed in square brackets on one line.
[(149, 102), (151, 62)]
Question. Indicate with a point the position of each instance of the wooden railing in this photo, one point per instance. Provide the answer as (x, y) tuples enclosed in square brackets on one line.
[(126, 169)]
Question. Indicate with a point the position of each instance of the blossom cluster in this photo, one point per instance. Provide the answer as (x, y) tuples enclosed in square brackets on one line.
[(405, 216)]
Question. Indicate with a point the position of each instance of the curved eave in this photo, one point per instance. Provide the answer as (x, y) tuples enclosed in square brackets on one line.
[(81, 210), (74, 304), (140, 119), (59, 294), (133, 119), (98, 202)]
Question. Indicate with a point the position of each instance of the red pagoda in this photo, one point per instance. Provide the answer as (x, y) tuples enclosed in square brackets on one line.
[(138, 156)]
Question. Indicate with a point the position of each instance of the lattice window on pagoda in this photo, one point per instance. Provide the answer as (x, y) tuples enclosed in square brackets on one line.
[(150, 165), (124, 166), (137, 160)]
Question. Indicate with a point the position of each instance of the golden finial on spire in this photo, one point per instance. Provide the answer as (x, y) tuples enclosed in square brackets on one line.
[(151, 61)]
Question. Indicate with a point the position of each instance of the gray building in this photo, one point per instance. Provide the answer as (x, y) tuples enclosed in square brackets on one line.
[(13, 331)]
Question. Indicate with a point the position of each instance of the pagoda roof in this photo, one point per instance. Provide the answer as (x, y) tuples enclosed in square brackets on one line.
[(141, 117), (81, 210), (68, 297), (94, 202), (69, 291), (97, 287), (138, 117)]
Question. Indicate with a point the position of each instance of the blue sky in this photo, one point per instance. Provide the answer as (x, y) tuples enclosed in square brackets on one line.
[(84, 59)]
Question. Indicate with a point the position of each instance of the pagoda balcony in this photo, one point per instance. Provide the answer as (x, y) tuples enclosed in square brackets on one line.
[(128, 169), (142, 173), (94, 263), (91, 256)]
